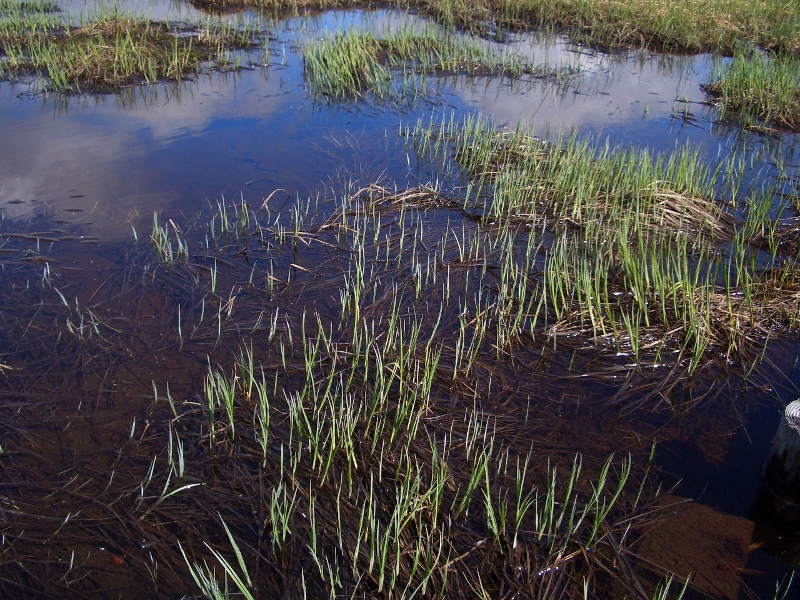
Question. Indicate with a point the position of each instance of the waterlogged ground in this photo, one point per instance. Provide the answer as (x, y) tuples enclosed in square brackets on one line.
[(284, 245)]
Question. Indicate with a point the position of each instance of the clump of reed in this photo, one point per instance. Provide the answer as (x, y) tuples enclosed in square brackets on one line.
[(162, 240), (588, 185), (759, 90), (353, 63), (113, 51)]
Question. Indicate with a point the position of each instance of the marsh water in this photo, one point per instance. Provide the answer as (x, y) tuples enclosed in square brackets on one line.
[(91, 326)]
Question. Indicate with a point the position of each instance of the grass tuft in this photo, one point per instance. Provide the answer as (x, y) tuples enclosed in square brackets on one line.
[(355, 63), (113, 51), (759, 90)]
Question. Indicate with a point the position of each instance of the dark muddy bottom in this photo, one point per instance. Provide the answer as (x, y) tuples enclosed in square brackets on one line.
[(117, 471)]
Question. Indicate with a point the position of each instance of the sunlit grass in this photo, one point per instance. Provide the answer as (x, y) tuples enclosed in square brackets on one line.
[(353, 63), (684, 25), (350, 379), (638, 251), (112, 51), (341, 424), (758, 89), (362, 482)]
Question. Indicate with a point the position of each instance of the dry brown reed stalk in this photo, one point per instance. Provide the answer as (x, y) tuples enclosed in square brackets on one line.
[(672, 214), (701, 216), (422, 197)]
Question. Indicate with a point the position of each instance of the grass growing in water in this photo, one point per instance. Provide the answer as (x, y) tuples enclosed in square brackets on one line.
[(640, 254), (351, 63), (363, 491), (112, 51), (317, 460), (759, 89), (684, 25), (348, 450)]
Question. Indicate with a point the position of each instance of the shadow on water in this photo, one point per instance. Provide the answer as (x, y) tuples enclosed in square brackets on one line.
[(270, 260)]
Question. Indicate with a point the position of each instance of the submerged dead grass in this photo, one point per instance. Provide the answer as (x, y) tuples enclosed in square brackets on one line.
[(362, 398), (287, 452)]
